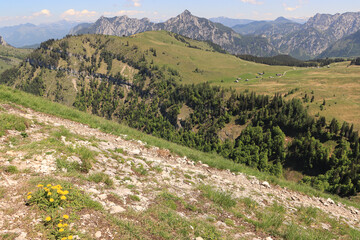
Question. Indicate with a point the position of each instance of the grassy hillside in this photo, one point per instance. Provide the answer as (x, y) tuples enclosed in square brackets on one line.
[(198, 62), (81, 183), (11, 96), (133, 81), (10, 56)]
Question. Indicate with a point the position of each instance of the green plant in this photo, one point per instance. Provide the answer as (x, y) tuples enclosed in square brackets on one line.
[(101, 177), (11, 169), (222, 198)]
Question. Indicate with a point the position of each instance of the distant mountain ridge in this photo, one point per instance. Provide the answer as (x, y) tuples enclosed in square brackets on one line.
[(305, 41), (30, 34), (231, 22), (187, 25)]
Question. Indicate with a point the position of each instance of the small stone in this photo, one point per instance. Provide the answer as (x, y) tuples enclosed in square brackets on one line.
[(93, 190), (98, 234), (117, 209), (265, 184), (22, 236), (268, 238), (102, 196), (329, 200), (199, 238)]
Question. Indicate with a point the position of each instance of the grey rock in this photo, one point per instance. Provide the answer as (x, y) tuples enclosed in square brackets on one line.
[(330, 201), (98, 234), (117, 209), (265, 184)]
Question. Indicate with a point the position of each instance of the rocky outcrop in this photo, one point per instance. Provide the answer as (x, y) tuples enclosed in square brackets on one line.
[(187, 25), (118, 26), (2, 42)]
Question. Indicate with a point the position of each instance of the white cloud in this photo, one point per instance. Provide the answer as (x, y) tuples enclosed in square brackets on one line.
[(290, 9), (255, 2), (72, 13), (136, 3), (43, 12)]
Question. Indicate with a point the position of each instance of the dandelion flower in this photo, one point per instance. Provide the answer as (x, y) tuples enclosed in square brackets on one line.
[(60, 225), (63, 198), (65, 225), (64, 238), (51, 200), (48, 219), (70, 237), (29, 193), (49, 193), (61, 230), (49, 185), (66, 216), (65, 192), (40, 185), (28, 197)]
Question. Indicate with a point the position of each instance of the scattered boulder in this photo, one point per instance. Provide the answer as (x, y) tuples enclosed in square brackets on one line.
[(265, 184)]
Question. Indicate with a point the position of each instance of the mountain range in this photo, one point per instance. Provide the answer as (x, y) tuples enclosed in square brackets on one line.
[(260, 38), (30, 34), (187, 25)]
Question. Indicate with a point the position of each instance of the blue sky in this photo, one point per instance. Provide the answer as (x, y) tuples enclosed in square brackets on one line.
[(44, 11)]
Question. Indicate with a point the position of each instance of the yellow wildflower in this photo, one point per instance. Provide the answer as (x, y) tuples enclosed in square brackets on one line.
[(51, 200), (66, 192), (61, 230), (54, 187), (65, 225), (28, 197), (64, 238), (46, 189), (66, 216), (29, 193), (63, 198), (40, 185), (70, 237), (60, 225), (48, 219), (49, 193), (59, 186), (49, 185)]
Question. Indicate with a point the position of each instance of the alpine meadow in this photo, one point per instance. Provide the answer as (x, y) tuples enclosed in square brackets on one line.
[(187, 128)]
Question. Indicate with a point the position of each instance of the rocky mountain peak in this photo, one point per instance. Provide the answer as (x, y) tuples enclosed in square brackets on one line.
[(186, 13)]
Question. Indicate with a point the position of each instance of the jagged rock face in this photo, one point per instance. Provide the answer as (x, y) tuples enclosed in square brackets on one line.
[(308, 40), (120, 26), (187, 25), (318, 33), (2, 42)]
